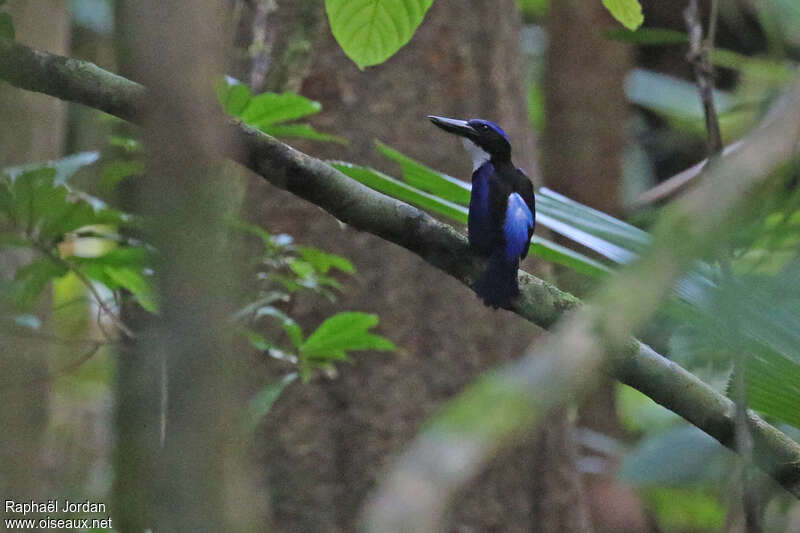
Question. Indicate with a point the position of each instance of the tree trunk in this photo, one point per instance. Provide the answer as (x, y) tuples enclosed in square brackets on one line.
[(33, 131), (197, 477), (584, 140), (325, 444)]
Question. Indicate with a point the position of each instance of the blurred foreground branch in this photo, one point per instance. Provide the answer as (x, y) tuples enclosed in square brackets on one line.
[(589, 340)]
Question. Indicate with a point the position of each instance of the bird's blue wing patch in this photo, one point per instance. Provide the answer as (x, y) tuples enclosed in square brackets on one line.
[(517, 226)]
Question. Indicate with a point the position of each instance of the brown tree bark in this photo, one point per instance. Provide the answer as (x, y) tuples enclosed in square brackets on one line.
[(193, 474), (325, 444), (583, 144)]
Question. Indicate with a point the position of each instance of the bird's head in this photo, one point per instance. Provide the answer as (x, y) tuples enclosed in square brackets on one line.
[(483, 139)]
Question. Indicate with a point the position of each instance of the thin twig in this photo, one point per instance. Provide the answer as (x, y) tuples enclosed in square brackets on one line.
[(704, 74), (712, 25)]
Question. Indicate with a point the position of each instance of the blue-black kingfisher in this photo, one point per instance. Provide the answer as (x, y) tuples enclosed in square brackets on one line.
[(501, 207)]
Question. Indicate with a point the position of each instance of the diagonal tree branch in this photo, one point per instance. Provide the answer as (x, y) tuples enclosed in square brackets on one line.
[(541, 303)]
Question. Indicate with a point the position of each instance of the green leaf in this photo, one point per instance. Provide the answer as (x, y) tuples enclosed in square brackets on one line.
[(341, 333), (760, 68), (122, 267), (371, 31), (773, 386), (606, 235), (551, 251), (233, 96), (138, 285), (397, 189), (6, 26), (422, 177), (323, 261), (262, 402), (669, 96), (270, 108), (30, 280), (301, 131), (303, 269), (627, 12), (123, 256)]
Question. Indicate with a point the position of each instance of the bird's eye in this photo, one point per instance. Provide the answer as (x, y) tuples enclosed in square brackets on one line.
[(483, 127)]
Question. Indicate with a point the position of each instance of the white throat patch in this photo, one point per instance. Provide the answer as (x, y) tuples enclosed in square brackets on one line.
[(479, 155)]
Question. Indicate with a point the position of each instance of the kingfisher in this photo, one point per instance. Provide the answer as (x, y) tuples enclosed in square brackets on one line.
[(501, 207)]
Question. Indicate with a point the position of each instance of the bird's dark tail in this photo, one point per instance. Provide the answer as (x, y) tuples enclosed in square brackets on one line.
[(498, 285)]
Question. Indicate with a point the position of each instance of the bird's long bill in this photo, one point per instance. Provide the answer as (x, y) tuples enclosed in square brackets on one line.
[(451, 125)]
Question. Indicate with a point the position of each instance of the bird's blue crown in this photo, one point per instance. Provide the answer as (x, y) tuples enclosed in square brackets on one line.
[(477, 122)]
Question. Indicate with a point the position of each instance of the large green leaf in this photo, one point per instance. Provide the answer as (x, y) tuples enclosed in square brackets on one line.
[(397, 189), (425, 178), (589, 227), (343, 332), (627, 12), (561, 255), (371, 31), (272, 108)]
